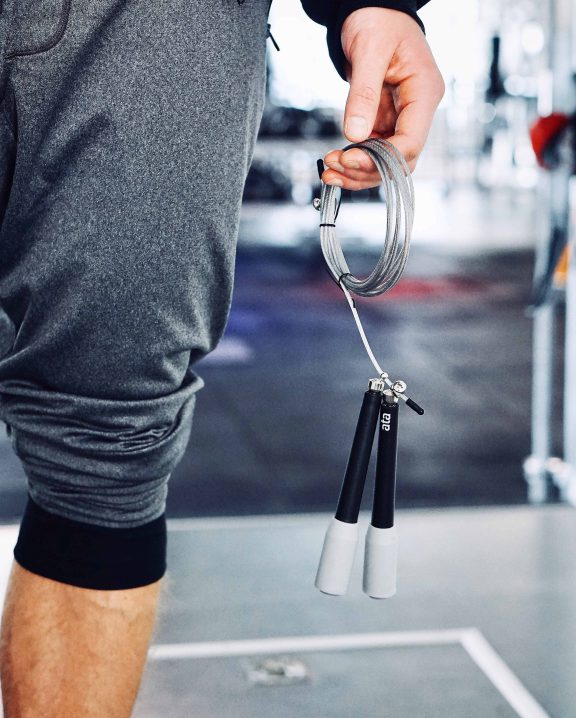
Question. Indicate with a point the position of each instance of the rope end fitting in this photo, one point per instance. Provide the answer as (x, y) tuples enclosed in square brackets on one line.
[(415, 407), (399, 387), (317, 202), (396, 390)]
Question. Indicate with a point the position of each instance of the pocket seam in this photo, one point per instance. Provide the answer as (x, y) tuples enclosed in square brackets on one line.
[(6, 116), (52, 41), (7, 120)]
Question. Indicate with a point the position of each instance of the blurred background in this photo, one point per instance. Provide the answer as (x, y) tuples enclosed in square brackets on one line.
[(284, 388)]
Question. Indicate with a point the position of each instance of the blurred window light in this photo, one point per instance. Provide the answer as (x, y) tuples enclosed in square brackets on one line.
[(527, 177), (486, 112), (524, 155), (521, 85), (452, 31), (301, 193), (532, 38), (302, 74)]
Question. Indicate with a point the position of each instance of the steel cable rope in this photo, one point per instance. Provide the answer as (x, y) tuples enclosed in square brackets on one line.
[(399, 197)]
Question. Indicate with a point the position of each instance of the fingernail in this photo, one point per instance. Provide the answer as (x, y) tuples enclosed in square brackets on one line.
[(357, 126), (335, 182)]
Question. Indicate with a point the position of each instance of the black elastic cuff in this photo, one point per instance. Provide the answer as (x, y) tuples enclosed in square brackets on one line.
[(89, 556), (334, 34)]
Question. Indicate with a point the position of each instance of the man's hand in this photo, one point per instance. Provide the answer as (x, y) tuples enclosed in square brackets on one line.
[(395, 88)]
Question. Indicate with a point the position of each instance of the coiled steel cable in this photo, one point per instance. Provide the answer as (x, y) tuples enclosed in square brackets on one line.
[(399, 196)]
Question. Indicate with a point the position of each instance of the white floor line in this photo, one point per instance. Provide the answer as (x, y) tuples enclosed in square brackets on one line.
[(498, 672), (297, 644), (471, 639)]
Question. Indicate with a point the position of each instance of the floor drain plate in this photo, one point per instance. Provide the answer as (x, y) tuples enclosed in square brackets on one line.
[(276, 671)]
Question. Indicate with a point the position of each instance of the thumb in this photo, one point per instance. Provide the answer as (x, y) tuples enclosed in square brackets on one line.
[(367, 77)]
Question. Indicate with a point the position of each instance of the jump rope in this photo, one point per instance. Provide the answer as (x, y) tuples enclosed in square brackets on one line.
[(381, 400)]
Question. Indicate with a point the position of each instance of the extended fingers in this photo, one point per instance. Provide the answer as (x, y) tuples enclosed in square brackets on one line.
[(343, 176), (354, 159), (354, 169), (347, 182)]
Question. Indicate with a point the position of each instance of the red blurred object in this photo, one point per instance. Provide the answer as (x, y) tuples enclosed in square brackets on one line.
[(545, 134)]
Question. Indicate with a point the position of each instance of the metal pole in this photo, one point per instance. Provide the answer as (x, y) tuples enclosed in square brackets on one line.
[(568, 486), (539, 464), (535, 466), (563, 204)]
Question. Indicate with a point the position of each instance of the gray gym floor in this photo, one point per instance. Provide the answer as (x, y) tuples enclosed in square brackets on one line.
[(505, 572), (483, 623)]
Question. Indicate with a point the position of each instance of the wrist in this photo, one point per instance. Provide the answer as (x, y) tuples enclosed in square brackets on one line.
[(395, 11), (396, 22), (347, 8)]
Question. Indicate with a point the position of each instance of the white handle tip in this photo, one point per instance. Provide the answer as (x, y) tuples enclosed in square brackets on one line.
[(337, 558), (380, 562)]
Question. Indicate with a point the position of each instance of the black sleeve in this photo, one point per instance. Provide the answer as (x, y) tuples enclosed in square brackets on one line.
[(332, 14)]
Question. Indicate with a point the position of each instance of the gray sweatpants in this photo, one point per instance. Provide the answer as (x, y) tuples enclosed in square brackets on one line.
[(126, 133)]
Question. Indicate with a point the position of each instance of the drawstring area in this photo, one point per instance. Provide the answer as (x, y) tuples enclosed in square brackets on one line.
[(268, 33)]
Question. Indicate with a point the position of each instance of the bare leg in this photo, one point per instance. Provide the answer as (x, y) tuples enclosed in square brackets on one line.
[(67, 652)]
